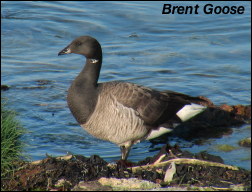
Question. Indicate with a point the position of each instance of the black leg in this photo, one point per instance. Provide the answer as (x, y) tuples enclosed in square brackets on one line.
[(125, 152)]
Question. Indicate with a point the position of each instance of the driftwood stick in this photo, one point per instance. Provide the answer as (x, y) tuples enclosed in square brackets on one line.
[(185, 161)]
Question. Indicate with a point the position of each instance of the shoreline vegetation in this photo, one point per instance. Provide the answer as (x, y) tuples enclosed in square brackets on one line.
[(11, 145)]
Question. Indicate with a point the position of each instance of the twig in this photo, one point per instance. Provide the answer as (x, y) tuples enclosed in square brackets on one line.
[(185, 161)]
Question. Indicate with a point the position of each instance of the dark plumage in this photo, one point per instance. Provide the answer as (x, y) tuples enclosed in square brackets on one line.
[(120, 112)]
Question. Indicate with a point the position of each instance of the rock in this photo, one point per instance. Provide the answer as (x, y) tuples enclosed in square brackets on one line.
[(239, 110), (245, 142), (5, 87), (91, 186), (226, 148), (128, 184), (171, 170)]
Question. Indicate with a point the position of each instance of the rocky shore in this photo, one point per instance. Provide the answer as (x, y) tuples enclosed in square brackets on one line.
[(170, 169)]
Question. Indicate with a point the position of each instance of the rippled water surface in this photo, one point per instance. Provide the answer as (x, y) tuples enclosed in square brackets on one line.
[(195, 54)]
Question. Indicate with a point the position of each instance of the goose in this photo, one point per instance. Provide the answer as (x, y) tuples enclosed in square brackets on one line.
[(123, 113)]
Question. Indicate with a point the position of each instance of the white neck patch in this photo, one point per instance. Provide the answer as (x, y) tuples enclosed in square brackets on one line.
[(94, 60)]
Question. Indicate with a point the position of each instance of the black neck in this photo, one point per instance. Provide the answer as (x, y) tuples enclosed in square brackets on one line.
[(83, 93), (89, 75)]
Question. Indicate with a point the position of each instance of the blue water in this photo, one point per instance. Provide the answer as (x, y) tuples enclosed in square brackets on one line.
[(194, 54)]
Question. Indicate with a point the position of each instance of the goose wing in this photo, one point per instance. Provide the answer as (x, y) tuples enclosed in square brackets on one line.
[(153, 107)]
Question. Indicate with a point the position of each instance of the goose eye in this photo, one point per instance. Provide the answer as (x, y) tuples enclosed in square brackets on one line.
[(78, 44)]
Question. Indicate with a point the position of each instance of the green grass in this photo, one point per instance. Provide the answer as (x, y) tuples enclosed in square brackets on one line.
[(11, 146)]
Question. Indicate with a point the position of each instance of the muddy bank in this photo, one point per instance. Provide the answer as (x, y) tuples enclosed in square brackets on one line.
[(171, 167)]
